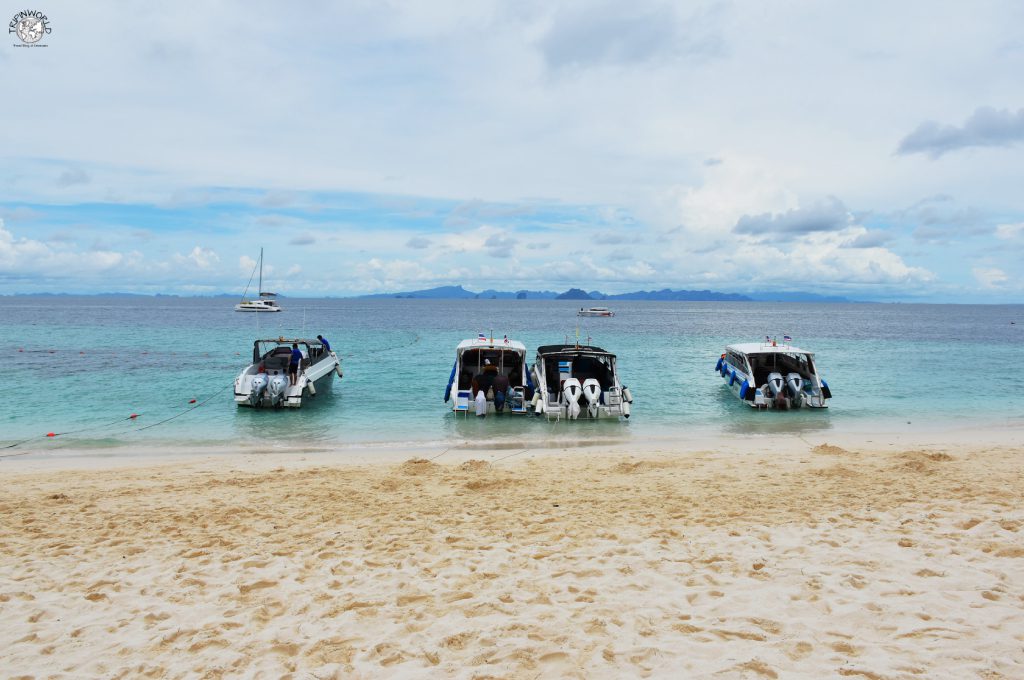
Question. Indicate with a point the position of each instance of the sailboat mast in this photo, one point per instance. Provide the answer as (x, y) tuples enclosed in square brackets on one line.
[(260, 291)]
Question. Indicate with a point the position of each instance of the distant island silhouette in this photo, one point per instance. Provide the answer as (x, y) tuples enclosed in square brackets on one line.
[(666, 294)]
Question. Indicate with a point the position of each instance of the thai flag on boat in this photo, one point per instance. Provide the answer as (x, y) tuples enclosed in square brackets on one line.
[(767, 340), (506, 339), (481, 337), (786, 339)]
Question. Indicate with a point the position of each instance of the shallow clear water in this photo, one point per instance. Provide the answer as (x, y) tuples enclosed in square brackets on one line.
[(75, 363)]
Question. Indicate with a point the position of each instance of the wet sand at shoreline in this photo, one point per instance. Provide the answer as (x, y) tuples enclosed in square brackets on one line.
[(802, 561)]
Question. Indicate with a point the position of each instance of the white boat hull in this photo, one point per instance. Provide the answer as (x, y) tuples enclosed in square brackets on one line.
[(760, 397), (580, 397), (242, 308), (312, 381)]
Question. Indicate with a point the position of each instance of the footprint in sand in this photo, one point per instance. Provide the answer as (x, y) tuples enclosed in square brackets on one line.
[(246, 588), (757, 666)]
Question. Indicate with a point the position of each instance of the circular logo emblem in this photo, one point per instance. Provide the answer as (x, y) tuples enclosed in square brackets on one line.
[(30, 26), (30, 30)]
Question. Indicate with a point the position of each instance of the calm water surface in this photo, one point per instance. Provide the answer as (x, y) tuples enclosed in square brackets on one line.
[(82, 364)]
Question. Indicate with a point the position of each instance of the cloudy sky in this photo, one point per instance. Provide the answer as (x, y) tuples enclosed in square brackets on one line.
[(869, 149)]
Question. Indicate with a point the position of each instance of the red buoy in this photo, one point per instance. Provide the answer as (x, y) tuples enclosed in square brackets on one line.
[(191, 401), (133, 416), (51, 434)]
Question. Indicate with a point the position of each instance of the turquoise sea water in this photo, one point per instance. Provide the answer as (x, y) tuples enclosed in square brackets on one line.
[(82, 365)]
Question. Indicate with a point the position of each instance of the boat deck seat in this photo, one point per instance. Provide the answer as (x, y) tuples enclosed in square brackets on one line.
[(276, 363)]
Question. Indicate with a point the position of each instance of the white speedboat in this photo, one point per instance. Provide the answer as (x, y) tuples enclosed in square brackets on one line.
[(595, 311), (265, 302), (770, 375), (266, 381), (579, 380), (485, 365)]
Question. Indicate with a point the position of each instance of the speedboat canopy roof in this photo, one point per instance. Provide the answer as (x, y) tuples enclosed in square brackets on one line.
[(749, 348), (476, 343), (288, 341), (573, 349)]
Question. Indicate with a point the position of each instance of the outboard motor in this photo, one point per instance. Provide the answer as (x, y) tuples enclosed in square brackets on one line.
[(795, 384), (258, 386), (572, 392), (592, 392), (276, 388), (775, 384)]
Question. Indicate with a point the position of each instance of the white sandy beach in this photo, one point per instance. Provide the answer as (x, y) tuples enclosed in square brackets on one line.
[(810, 560)]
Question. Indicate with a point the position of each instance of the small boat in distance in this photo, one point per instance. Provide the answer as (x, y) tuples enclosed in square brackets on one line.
[(595, 311), (575, 380), (769, 375), (498, 369), (266, 301), (265, 382)]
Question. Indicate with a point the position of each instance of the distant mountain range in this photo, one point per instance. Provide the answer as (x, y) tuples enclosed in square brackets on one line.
[(460, 293)]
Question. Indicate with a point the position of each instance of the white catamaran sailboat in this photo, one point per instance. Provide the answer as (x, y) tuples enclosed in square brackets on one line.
[(266, 301)]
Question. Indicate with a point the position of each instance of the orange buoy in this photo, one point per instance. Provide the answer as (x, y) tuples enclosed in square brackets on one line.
[(51, 434)]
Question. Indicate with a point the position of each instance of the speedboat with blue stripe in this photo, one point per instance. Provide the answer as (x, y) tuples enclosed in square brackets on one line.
[(770, 375), (478, 364)]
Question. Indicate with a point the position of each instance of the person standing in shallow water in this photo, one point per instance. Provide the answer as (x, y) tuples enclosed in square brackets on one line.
[(500, 385), (481, 404), (293, 367)]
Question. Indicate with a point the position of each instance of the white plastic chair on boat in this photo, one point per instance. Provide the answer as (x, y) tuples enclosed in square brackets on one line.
[(463, 398)]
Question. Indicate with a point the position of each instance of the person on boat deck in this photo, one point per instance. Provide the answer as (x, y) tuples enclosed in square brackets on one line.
[(481, 404), (486, 379), (323, 341), (500, 385), (293, 367)]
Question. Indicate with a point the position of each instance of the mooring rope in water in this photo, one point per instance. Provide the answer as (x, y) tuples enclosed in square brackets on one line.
[(416, 338), (191, 408), (60, 434), (193, 405)]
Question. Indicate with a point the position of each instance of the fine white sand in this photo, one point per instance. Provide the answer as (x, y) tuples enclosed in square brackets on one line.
[(802, 561)]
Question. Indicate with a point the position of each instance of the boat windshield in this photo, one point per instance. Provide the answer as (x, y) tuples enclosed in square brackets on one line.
[(561, 366), (271, 352), (780, 362), (488, 362)]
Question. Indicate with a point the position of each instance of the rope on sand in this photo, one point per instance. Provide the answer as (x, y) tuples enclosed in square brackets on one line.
[(511, 454)]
